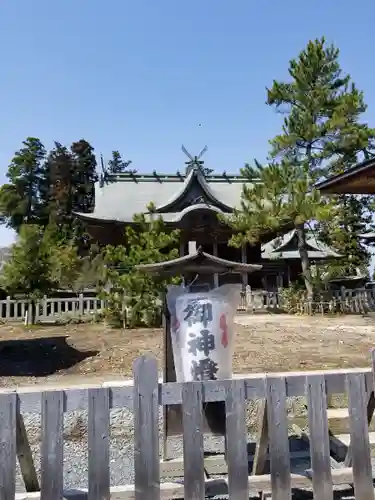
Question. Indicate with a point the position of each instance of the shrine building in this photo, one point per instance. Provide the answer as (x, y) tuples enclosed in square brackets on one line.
[(191, 202)]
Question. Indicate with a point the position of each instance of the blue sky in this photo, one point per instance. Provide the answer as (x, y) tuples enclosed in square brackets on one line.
[(142, 75)]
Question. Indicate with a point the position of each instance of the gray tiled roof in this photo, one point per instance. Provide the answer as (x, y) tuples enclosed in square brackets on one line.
[(285, 247), (124, 196)]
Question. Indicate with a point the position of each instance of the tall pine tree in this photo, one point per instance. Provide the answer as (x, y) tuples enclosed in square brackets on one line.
[(320, 107)]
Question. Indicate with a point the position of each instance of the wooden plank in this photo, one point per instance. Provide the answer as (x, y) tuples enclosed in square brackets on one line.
[(146, 429), (98, 444), (370, 412), (360, 445), (8, 408), (25, 456), (319, 439), (214, 464), (261, 447), (236, 439), (51, 459), (121, 392), (345, 438), (193, 441), (175, 490), (278, 435)]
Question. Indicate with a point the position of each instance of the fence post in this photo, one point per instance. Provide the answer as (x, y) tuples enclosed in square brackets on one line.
[(146, 429), (7, 308), (248, 297), (45, 312), (80, 306)]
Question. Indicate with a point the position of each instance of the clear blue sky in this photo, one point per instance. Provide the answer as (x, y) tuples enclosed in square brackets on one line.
[(141, 75)]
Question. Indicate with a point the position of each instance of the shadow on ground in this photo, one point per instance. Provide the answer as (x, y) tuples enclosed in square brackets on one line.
[(39, 357)]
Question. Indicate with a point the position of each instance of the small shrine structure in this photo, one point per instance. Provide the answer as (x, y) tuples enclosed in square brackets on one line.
[(282, 262)]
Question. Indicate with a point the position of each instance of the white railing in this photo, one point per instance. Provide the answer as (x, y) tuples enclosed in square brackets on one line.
[(258, 300), (344, 300), (50, 308)]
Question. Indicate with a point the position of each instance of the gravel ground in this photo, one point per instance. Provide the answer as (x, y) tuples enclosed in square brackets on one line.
[(121, 443)]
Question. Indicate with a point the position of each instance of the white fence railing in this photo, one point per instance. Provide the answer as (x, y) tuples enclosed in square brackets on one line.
[(49, 308), (344, 300)]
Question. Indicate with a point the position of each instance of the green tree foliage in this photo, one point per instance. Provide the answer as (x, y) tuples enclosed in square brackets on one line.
[(70, 176), (353, 212), (134, 296), (20, 198), (282, 198), (117, 165), (353, 216), (28, 269), (320, 106), (73, 272)]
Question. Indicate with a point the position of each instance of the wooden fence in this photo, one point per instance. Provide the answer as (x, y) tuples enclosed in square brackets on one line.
[(145, 394)]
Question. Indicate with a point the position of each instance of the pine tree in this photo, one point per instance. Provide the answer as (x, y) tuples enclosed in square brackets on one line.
[(147, 242), (117, 165), (320, 106), (282, 198), (20, 201)]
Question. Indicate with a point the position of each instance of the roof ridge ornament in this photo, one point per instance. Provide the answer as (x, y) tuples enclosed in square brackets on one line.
[(194, 162)]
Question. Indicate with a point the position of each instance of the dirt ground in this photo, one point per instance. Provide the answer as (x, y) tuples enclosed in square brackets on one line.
[(86, 353)]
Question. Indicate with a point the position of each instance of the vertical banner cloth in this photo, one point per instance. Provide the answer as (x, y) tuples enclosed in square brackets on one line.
[(202, 330)]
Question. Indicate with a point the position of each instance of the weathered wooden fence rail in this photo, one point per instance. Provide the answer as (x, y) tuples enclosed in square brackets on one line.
[(144, 396)]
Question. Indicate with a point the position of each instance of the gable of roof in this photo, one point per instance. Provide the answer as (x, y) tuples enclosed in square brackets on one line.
[(195, 189)]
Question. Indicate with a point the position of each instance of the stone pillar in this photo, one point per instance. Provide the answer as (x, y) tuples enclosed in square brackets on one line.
[(215, 253), (244, 261)]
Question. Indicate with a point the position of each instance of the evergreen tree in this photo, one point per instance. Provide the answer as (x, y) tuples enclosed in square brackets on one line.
[(28, 270), (354, 212), (59, 189), (282, 198), (20, 201), (147, 242), (320, 107), (70, 187), (84, 176), (117, 165)]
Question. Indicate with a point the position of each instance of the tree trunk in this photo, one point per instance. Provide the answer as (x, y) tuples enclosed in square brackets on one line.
[(304, 256)]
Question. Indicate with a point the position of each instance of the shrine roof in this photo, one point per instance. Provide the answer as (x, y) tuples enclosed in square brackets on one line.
[(199, 262), (368, 236), (125, 195), (286, 247), (359, 179)]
